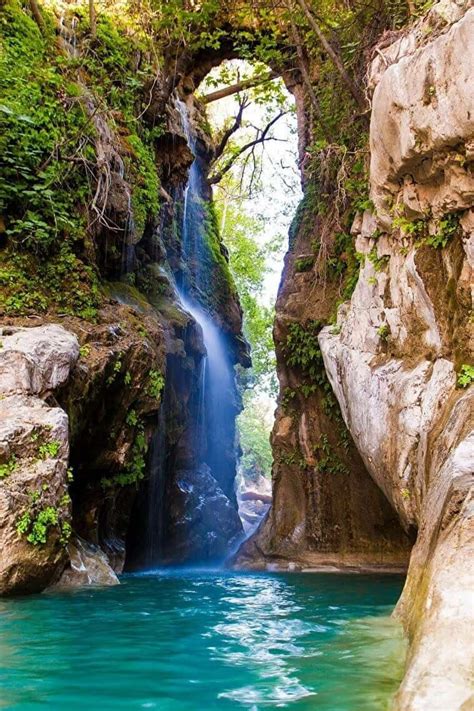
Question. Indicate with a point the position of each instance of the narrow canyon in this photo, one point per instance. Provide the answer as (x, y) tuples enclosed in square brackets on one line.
[(129, 344)]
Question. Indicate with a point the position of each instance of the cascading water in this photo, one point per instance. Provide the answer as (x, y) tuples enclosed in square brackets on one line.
[(186, 510), (217, 378)]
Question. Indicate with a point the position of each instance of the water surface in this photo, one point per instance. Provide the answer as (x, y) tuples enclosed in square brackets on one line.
[(182, 641)]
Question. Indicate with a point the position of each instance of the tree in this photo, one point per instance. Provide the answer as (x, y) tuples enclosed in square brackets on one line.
[(335, 58), (92, 20), (36, 12)]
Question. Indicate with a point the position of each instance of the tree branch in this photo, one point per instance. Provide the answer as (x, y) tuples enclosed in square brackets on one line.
[(219, 150), (336, 59), (38, 17), (236, 88), (260, 139)]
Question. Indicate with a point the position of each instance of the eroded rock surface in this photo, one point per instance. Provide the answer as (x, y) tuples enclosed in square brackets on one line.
[(394, 358), (35, 514), (88, 565)]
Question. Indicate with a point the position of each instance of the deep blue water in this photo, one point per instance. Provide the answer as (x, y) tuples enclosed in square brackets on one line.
[(179, 641)]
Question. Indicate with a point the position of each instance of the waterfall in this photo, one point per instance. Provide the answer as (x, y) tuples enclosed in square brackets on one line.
[(186, 510), (218, 374)]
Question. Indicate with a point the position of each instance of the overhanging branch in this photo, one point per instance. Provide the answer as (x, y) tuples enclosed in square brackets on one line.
[(237, 88), (260, 139)]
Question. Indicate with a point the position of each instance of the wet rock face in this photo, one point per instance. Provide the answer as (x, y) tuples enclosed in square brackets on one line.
[(88, 565), (35, 513), (393, 361), (204, 523), (326, 508)]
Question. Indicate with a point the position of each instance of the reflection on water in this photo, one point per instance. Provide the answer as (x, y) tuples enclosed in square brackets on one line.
[(182, 640)]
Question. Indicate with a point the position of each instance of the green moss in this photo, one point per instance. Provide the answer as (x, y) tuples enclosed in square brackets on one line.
[(219, 287), (42, 124), (141, 170), (304, 264)]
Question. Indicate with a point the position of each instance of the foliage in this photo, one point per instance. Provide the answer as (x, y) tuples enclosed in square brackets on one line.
[(249, 256), (42, 124), (156, 383), (132, 418), (328, 461), (135, 469), (301, 349), (8, 467), (447, 228), (409, 227), (40, 517), (40, 111), (379, 262), (49, 450), (116, 368), (384, 332), (254, 427), (465, 376), (304, 264)]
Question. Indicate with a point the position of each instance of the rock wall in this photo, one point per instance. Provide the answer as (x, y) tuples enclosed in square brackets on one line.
[(394, 358), (327, 510)]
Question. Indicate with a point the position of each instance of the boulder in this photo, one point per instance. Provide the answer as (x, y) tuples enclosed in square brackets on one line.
[(88, 565)]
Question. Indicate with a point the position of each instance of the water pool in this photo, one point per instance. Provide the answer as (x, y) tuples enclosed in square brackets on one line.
[(181, 640)]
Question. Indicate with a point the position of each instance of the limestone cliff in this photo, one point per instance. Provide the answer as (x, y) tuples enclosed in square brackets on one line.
[(405, 335), (398, 360)]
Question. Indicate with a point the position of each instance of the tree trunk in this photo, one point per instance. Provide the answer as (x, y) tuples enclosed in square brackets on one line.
[(235, 88), (36, 12), (307, 80), (92, 20), (336, 59)]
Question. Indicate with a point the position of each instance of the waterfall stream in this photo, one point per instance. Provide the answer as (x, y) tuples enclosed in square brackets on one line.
[(187, 506), (217, 378)]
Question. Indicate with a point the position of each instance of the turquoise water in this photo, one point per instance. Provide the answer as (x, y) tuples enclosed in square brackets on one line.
[(180, 641)]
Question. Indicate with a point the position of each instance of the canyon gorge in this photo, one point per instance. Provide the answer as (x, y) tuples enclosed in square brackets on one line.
[(123, 341)]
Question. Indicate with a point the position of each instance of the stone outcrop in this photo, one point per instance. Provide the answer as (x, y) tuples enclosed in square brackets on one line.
[(394, 356), (35, 512), (88, 565), (66, 435)]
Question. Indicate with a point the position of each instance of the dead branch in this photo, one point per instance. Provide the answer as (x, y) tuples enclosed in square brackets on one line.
[(237, 88)]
